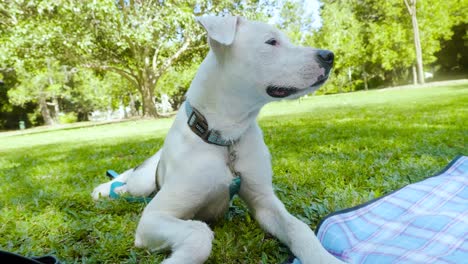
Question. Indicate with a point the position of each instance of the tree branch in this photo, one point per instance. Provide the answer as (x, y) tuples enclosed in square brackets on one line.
[(127, 75), (176, 55), (155, 57), (410, 10), (6, 14)]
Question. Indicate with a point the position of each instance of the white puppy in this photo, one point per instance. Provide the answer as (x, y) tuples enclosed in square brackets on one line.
[(249, 64)]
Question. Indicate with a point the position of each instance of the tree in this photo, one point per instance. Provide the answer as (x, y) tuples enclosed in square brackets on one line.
[(104, 91), (452, 59), (137, 40), (142, 40), (10, 114), (39, 86), (31, 44), (343, 33), (411, 6), (374, 40)]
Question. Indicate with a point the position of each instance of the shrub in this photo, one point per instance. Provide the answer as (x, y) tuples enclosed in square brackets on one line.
[(67, 118)]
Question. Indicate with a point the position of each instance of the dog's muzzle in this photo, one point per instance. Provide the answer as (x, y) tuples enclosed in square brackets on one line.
[(281, 92), (324, 58)]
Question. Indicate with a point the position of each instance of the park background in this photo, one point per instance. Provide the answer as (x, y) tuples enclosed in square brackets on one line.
[(125, 64), (66, 61)]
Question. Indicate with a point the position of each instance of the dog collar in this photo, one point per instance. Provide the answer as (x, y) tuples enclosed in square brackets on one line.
[(199, 125)]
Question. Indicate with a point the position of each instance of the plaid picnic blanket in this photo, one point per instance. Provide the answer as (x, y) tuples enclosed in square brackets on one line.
[(424, 222)]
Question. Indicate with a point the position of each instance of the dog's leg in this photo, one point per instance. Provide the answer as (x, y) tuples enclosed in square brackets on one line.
[(139, 181), (103, 189), (189, 240), (162, 227), (257, 191), (142, 180), (275, 219)]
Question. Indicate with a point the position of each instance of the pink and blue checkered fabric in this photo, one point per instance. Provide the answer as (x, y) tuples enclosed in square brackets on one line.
[(425, 222)]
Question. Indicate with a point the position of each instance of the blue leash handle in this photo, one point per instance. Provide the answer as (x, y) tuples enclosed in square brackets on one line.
[(112, 194), (112, 174)]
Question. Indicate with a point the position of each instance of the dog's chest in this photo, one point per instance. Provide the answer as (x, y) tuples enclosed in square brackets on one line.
[(222, 194)]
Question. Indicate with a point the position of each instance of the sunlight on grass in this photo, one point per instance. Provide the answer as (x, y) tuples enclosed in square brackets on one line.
[(328, 153)]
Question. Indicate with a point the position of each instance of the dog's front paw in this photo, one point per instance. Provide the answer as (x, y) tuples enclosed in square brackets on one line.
[(102, 190)]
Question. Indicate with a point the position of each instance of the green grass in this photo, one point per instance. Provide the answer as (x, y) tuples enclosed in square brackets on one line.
[(328, 153)]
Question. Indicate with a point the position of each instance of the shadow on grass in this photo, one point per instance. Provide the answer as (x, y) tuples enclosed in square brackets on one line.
[(46, 204)]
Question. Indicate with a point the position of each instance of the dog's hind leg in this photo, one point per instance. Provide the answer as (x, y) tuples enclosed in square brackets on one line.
[(139, 181), (103, 190), (189, 240), (162, 227), (142, 181)]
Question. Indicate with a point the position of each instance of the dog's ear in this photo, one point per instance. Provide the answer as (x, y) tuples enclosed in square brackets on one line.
[(220, 29)]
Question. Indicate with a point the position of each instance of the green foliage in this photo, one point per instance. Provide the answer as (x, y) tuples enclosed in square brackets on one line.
[(139, 40), (328, 153), (452, 60), (80, 56), (373, 40), (68, 118), (11, 114), (34, 118), (49, 82), (97, 92)]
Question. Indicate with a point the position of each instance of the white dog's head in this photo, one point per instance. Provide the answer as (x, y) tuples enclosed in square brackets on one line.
[(262, 55)]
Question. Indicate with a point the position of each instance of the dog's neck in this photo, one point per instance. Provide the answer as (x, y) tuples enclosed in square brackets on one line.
[(228, 103)]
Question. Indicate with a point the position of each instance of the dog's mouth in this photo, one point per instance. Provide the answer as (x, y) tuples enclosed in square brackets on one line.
[(281, 92), (320, 80)]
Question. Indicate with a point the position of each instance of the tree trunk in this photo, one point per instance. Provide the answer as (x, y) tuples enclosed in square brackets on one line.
[(124, 108), (56, 110), (147, 95), (366, 85), (415, 75), (148, 82), (133, 110), (417, 45), (394, 78), (45, 111), (417, 41), (54, 98)]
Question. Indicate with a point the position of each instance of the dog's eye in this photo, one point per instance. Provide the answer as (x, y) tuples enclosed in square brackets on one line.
[(272, 42)]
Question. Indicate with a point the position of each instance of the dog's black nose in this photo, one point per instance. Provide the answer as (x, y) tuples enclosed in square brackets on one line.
[(325, 57)]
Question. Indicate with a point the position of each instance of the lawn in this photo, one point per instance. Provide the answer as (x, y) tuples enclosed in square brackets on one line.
[(328, 153)]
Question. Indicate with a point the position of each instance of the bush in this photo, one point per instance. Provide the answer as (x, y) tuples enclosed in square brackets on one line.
[(67, 118)]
